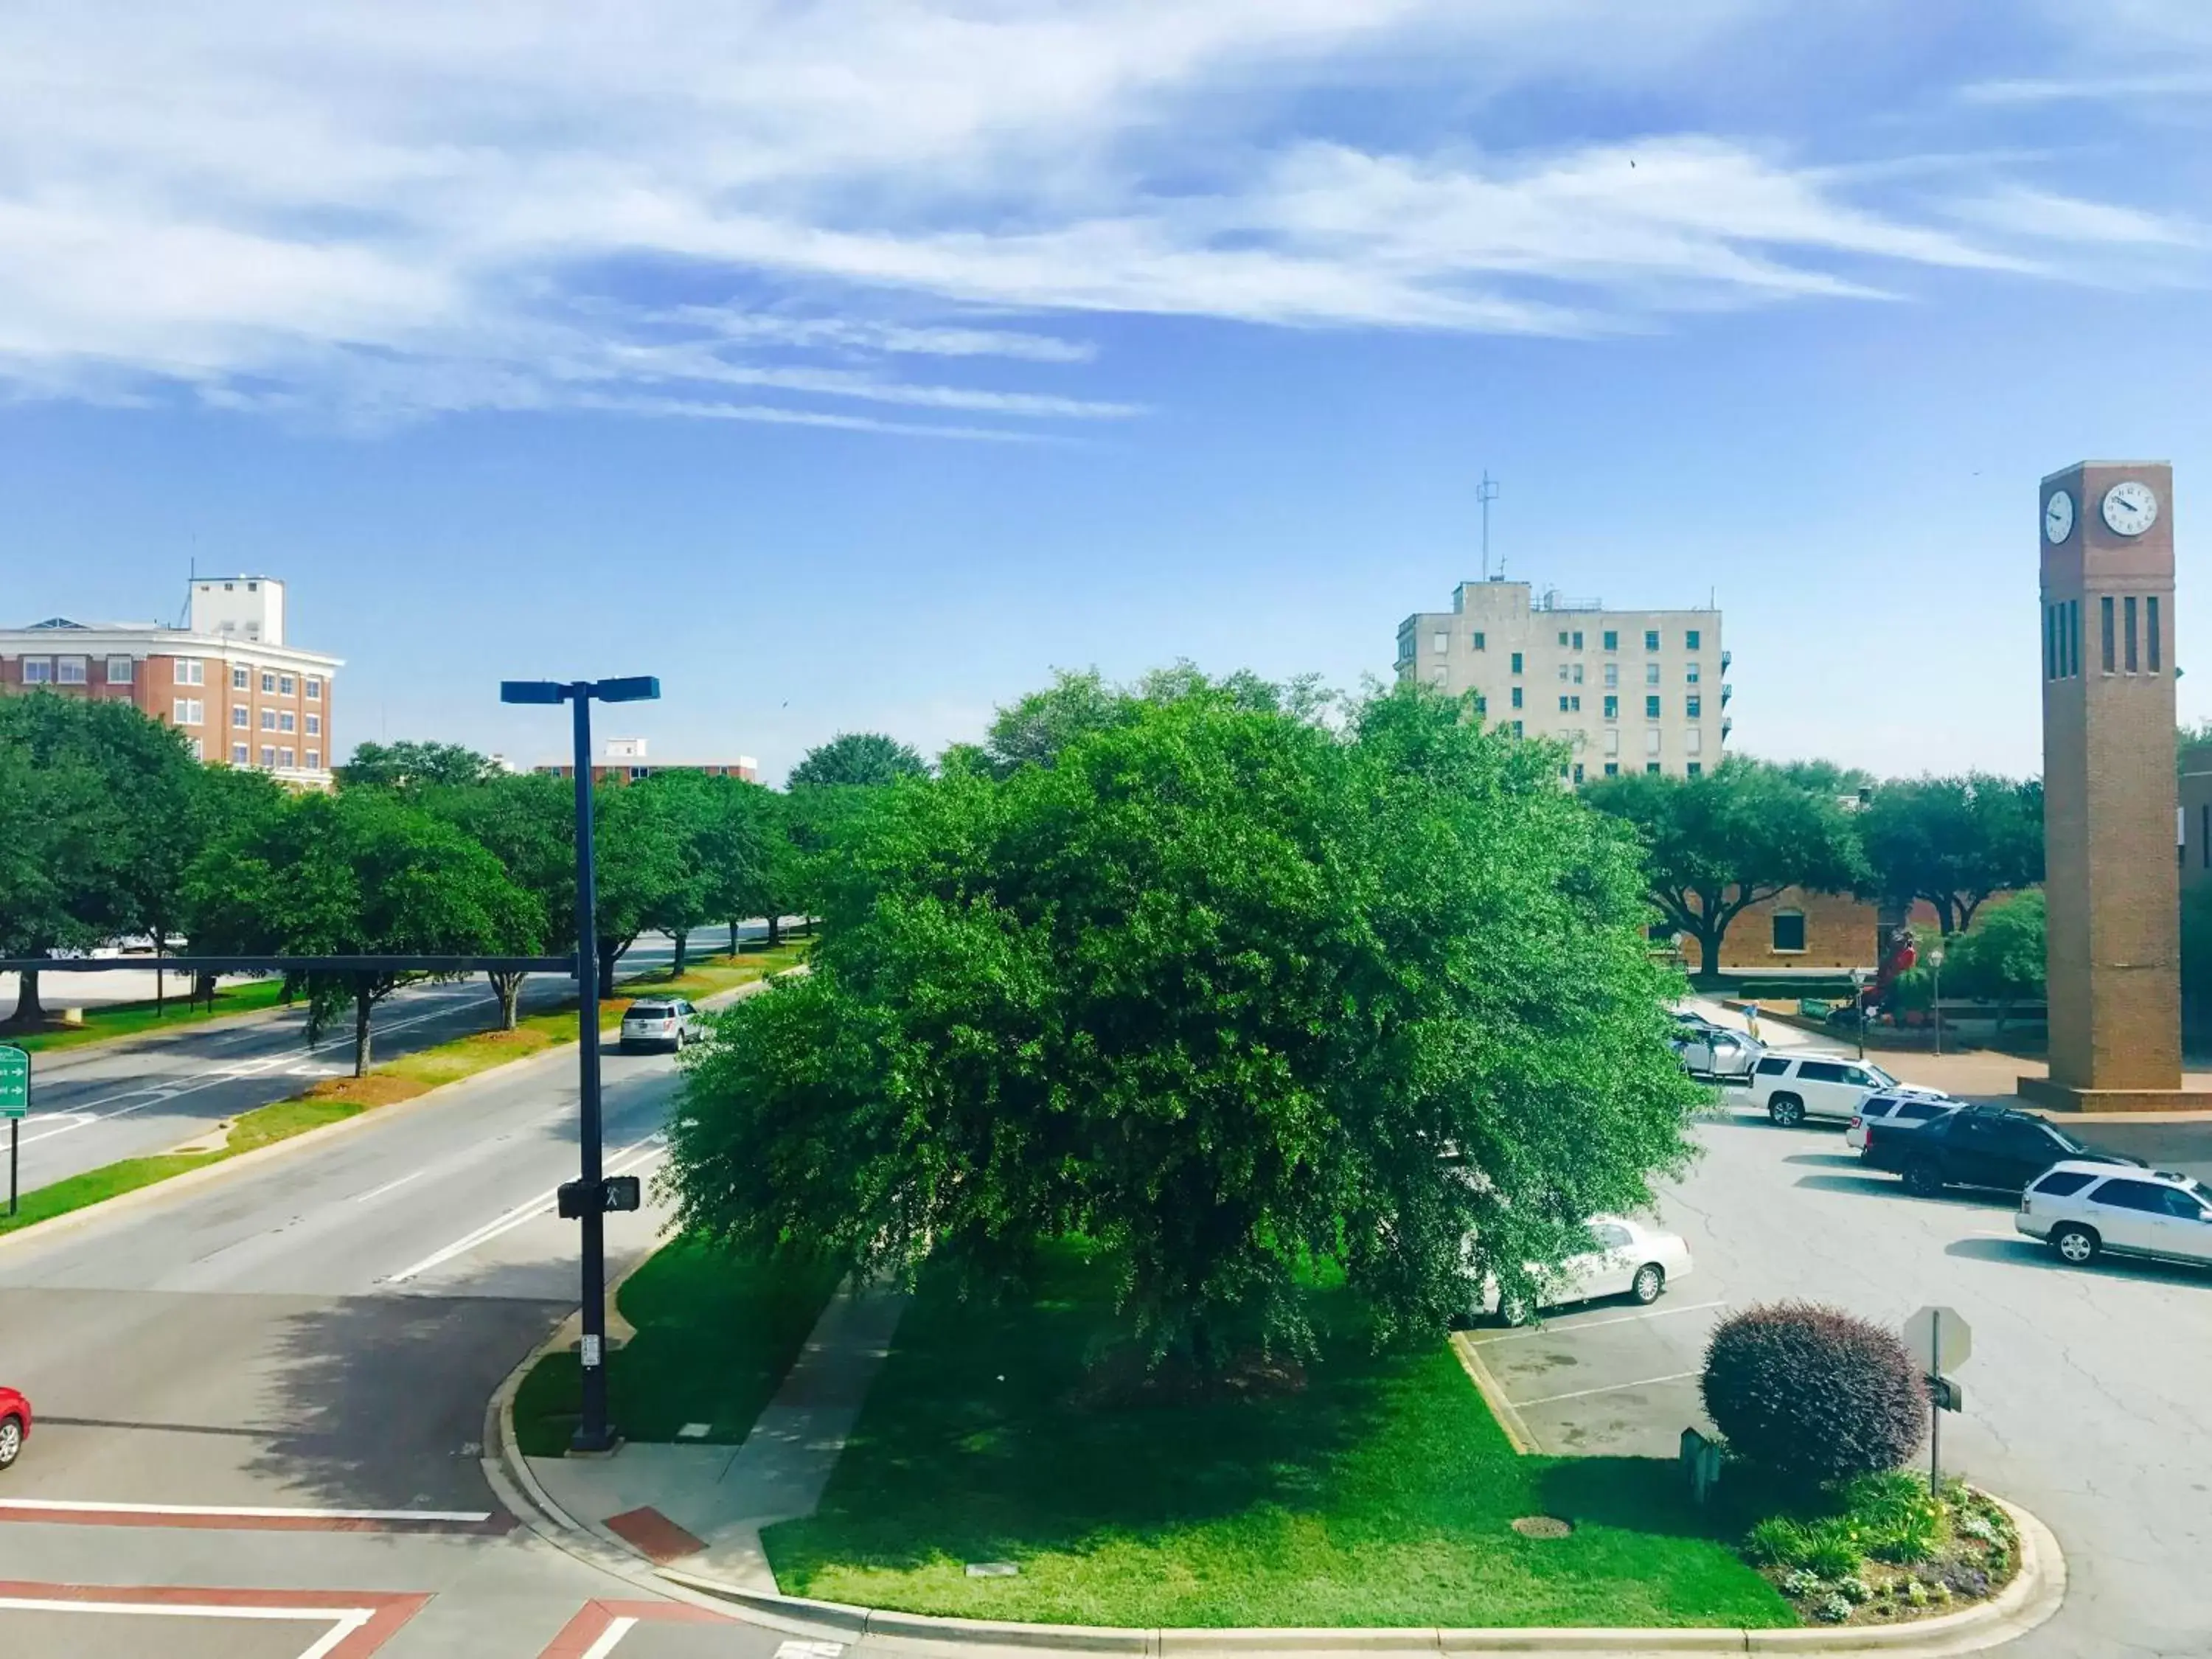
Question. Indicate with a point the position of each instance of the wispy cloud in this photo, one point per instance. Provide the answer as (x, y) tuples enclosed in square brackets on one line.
[(407, 210)]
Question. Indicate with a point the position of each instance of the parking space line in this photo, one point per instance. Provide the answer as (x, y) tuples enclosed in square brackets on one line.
[(1594, 1324), (1612, 1388)]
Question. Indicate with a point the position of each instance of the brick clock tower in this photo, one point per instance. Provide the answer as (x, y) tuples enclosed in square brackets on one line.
[(2112, 882)]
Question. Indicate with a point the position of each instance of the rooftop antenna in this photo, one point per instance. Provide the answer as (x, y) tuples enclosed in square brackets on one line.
[(1487, 492)]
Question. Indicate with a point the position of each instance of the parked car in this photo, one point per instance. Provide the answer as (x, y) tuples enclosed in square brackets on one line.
[(1992, 1146), (1795, 1087), (1632, 1260), (2081, 1208), (660, 1022), (1899, 1111), (1714, 1051), (14, 1426)]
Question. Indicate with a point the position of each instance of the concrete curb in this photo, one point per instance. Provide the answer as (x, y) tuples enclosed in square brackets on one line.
[(191, 1179), (1493, 1395)]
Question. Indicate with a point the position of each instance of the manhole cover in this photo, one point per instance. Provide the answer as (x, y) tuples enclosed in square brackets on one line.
[(1541, 1526)]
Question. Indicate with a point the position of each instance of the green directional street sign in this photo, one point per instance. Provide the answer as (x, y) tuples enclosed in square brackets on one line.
[(15, 1083)]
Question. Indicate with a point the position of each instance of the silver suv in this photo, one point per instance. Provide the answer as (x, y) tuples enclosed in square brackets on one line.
[(2081, 1209), (1793, 1088), (660, 1022)]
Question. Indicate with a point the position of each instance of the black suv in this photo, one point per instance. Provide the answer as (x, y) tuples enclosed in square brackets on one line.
[(1991, 1146)]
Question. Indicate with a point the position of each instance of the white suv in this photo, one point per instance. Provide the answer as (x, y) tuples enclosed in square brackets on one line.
[(2080, 1208), (1795, 1087)]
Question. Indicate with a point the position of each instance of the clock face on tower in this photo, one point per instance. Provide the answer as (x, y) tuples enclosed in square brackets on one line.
[(2131, 508), (2057, 516)]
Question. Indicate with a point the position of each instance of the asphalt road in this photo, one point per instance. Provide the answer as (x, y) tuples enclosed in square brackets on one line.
[(317, 1334), (101, 1104)]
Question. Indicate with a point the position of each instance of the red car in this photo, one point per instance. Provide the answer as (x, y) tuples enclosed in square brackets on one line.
[(15, 1424)]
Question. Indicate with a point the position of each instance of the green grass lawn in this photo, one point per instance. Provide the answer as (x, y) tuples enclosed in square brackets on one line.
[(1380, 1495), (122, 1019), (715, 1336)]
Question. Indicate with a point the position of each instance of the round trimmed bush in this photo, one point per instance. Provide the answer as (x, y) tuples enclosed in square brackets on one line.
[(1813, 1394)]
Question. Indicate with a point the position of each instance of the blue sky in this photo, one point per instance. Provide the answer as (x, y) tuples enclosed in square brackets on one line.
[(852, 366)]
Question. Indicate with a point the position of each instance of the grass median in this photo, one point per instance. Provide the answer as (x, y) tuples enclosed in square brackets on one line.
[(1373, 1488), (715, 1334), (334, 1099)]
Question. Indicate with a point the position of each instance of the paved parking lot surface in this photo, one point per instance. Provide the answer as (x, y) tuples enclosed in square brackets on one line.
[(1608, 1379)]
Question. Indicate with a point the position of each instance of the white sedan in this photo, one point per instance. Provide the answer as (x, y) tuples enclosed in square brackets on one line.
[(1632, 1260)]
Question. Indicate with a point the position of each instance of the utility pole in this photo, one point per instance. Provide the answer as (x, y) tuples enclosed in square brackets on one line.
[(1485, 492)]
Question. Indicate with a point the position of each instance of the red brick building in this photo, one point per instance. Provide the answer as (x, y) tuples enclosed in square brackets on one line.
[(227, 679)]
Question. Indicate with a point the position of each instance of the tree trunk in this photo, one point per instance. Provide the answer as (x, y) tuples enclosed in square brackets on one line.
[(775, 931), (362, 1002), (1947, 914), (609, 950), (1967, 908), (1709, 952), (733, 938), (29, 1011), (507, 987), (203, 989), (683, 948)]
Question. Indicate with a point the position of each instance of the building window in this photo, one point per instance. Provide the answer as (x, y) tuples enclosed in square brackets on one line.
[(1517, 728), (1689, 638), (285, 722), (268, 681), (1562, 639), (314, 760), (199, 750), (1651, 741), (1577, 674), (1571, 705), (239, 717), (1693, 707), (2074, 636), (2150, 632), (314, 726), (1651, 709), (284, 683), (1651, 639), (1612, 769), (1651, 673), (1613, 709), (1517, 662), (185, 711), (2131, 631), (238, 754), (1478, 645), (1690, 674), (2051, 641), (1613, 742), (190, 670), (241, 679), (119, 671), (1788, 931), (70, 670), (2104, 608), (1579, 771), (38, 671), (269, 720), (1578, 642), (1613, 673), (1694, 741), (1696, 768), (1563, 670), (1651, 768), (284, 759), (1481, 706), (1612, 640), (315, 686), (268, 754), (1516, 696), (1442, 643)]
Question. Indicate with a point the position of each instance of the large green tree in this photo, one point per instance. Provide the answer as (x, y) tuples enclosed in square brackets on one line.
[(1953, 842), (407, 764), (2000, 959), (642, 852), (857, 757), (527, 821), (362, 872), (1716, 845), (1232, 993)]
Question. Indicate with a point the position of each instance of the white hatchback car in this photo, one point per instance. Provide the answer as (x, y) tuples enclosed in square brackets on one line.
[(1632, 1260), (1795, 1087), (2081, 1209)]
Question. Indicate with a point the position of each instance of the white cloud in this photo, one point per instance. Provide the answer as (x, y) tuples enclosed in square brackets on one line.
[(409, 208)]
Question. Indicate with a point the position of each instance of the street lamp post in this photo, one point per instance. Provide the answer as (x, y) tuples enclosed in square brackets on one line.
[(1858, 1000), (586, 1200), (1935, 973)]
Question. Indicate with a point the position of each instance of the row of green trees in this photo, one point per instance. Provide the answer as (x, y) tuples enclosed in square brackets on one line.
[(109, 828), (1742, 833)]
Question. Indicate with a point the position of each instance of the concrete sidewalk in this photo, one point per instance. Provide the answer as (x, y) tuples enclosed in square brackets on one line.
[(704, 1507)]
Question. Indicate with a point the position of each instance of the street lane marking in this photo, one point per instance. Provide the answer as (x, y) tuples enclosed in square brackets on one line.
[(1594, 1324), (531, 1208), (361, 1621), (1611, 1388), (610, 1638), (244, 1512), (388, 1187)]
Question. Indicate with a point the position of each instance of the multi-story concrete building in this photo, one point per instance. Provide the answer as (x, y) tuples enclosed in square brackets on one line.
[(1626, 690), (623, 760), (227, 679)]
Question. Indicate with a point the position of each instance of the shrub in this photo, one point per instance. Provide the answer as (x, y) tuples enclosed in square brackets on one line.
[(1800, 1583), (1892, 1516), (1834, 1554), (1834, 1610), (1813, 1394), (1777, 1542)]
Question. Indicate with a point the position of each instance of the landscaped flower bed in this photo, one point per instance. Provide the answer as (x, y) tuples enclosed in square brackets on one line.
[(1891, 1553)]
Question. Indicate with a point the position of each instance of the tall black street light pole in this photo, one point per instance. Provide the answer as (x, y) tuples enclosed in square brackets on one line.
[(589, 1198)]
